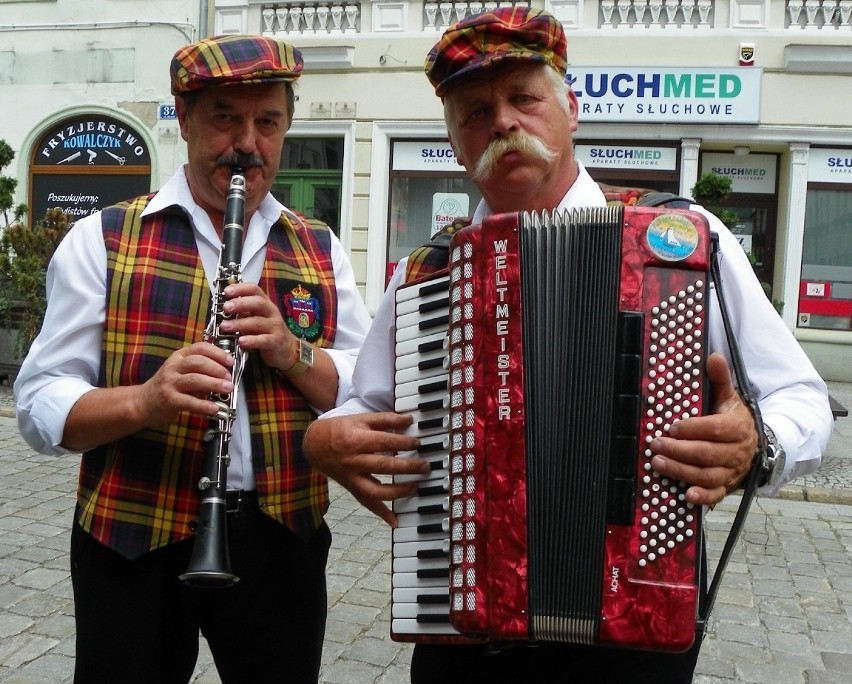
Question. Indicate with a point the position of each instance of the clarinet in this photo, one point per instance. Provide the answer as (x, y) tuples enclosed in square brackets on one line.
[(210, 565)]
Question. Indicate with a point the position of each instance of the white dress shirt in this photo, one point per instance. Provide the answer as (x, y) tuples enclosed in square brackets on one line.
[(64, 361), (792, 397)]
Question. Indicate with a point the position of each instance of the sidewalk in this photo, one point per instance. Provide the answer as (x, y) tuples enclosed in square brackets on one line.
[(782, 615)]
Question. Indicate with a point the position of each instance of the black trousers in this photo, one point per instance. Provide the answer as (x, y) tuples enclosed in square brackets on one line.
[(137, 622), (549, 664)]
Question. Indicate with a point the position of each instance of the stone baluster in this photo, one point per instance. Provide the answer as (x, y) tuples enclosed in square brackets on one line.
[(337, 18), (607, 6), (656, 6), (704, 7), (845, 10), (295, 19), (281, 15), (446, 14), (672, 6), (322, 19), (640, 8), (476, 8), (623, 7), (687, 7), (794, 11), (351, 19), (829, 7), (268, 18), (431, 9), (309, 13), (461, 10), (811, 8)]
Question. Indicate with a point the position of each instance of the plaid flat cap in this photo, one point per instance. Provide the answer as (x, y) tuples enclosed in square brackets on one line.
[(230, 60), (506, 33)]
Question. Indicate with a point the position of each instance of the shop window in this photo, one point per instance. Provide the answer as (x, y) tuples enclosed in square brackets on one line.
[(420, 205), (310, 178), (825, 296)]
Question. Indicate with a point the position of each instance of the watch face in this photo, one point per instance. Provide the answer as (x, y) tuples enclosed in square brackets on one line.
[(306, 354)]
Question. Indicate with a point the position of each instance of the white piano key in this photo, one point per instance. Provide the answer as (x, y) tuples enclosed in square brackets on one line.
[(421, 328), (416, 520), (412, 610), (418, 374), (438, 383), (416, 401), (408, 549), (413, 594), (411, 504), (408, 306), (413, 290), (413, 346), (413, 564), (416, 359), (405, 534), (410, 579), (415, 628)]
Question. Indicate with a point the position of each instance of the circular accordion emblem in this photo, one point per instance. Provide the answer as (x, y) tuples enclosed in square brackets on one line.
[(672, 237)]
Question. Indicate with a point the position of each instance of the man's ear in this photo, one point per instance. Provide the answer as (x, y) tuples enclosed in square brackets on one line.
[(182, 114)]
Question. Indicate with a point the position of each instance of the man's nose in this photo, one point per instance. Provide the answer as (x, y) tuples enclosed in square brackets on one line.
[(245, 138), (505, 121)]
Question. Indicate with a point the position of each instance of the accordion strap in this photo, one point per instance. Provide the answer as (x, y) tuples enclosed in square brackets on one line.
[(750, 484)]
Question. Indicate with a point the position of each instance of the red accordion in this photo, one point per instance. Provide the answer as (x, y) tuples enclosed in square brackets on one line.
[(538, 369)]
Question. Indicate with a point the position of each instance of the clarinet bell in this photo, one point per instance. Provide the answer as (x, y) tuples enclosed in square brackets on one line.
[(210, 565)]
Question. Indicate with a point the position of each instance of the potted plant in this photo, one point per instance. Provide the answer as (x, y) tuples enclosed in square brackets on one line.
[(711, 190), (25, 252)]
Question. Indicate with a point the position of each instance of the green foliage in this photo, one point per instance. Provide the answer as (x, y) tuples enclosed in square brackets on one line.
[(711, 190), (25, 253), (7, 188)]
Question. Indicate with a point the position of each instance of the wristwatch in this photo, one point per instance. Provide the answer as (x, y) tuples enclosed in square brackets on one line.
[(305, 361), (773, 461)]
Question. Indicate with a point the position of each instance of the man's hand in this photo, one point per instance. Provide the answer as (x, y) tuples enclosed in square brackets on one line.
[(259, 324), (711, 453), (354, 449)]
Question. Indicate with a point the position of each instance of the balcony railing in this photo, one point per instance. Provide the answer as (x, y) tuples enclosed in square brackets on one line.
[(819, 14), (339, 17)]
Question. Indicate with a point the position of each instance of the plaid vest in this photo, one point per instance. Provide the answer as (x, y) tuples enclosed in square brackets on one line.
[(140, 493)]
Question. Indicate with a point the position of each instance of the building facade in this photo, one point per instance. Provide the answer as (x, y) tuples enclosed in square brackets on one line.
[(755, 90)]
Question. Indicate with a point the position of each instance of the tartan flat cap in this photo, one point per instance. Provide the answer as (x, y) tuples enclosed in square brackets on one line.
[(232, 60), (506, 33)]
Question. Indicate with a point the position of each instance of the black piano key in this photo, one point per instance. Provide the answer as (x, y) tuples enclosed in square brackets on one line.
[(437, 322), (432, 288), (431, 363), (434, 405), (434, 305), (628, 375), (432, 490), (430, 528), (433, 599), (430, 423), (431, 510), (432, 573), (433, 345), (425, 554), (435, 386), (434, 619), (430, 447)]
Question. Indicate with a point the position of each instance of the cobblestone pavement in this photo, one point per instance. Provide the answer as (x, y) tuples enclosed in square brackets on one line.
[(784, 613)]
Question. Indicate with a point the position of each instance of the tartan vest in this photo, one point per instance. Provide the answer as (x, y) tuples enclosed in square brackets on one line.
[(140, 493)]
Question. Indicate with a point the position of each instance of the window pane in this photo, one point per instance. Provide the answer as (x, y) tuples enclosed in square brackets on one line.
[(415, 204), (312, 153), (826, 294)]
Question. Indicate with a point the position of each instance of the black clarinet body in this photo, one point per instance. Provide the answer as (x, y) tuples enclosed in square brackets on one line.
[(210, 565)]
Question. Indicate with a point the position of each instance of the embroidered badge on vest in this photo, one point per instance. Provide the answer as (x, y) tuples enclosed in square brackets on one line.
[(303, 313)]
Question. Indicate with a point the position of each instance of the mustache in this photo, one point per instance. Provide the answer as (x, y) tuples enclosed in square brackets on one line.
[(525, 143), (242, 160)]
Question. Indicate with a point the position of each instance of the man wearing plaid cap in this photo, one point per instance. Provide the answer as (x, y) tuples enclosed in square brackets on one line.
[(511, 119), (120, 373)]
